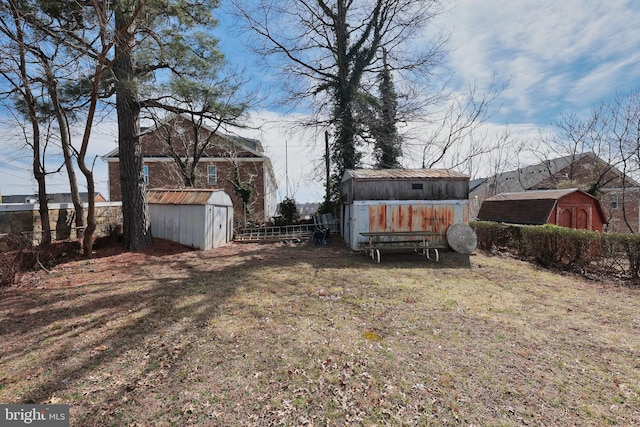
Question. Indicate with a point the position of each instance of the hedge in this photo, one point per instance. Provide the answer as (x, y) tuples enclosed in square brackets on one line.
[(612, 254)]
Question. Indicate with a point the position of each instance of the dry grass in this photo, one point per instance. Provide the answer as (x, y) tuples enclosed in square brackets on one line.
[(318, 335)]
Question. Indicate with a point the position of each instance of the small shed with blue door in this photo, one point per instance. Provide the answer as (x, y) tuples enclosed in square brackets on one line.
[(199, 218)]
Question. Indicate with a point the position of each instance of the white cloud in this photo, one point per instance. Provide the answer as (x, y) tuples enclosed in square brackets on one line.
[(296, 153), (550, 51)]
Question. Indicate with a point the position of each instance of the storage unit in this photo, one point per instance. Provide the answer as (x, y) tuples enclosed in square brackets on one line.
[(568, 208), (200, 218), (402, 200)]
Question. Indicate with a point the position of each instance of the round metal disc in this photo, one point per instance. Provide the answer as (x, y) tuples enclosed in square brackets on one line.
[(462, 238)]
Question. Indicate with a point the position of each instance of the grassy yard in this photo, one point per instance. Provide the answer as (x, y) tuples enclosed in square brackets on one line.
[(318, 335)]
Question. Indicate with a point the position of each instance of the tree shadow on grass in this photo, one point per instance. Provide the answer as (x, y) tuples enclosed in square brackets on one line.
[(139, 315)]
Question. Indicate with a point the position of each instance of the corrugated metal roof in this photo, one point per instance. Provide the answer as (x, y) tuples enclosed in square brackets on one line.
[(187, 196), (403, 173), (534, 195)]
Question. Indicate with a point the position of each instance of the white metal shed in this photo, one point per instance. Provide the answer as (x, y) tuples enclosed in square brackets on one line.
[(201, 218)]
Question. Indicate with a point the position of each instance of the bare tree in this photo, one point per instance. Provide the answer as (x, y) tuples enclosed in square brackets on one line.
[(191, 128), (330, 51), (149, 43), (61, 116), (23, 86), (611, 132), (456, 135)]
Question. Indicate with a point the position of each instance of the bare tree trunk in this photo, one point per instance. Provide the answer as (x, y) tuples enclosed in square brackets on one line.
[(88, 236), (65, 140), (30, 104), (43, 208), (135, 212)]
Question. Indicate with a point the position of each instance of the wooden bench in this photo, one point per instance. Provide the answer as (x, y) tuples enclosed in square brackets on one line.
[(401, 240)]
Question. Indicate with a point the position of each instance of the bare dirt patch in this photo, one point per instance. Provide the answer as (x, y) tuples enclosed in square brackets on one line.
[(301, 334)]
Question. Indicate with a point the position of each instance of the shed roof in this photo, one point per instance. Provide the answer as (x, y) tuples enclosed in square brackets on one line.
[(383, 174), (186, 196), (535, 195), (527, 207)]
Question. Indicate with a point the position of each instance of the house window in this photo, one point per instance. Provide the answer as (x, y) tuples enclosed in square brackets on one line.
[(613, 201), (416, 186), (212, 174), (145, 170)]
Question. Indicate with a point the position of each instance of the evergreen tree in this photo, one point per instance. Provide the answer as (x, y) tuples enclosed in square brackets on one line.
[(147, 54), (388, 143), (328, 50)]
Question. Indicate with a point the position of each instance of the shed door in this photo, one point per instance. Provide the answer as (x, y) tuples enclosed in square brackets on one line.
[(582, 218), (219, 226), (564, 217), (575, 217), (346, 222)]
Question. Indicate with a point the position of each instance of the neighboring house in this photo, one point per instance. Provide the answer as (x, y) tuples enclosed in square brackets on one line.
[(568, 208), (619, 194), (51, 198), (230, 163)]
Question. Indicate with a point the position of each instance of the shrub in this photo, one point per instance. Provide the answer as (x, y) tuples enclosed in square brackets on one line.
[(567, 248), (289, 211), (551, 245), (629, 245)]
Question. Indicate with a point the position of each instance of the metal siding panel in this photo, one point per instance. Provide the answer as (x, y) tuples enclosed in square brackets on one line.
[(360, 222), (209, 226), (415, 215), (158, 227), (346, 223), (199, 236), (174, 220), (183, 226), (199, 227), (377, 218), (230, 223)]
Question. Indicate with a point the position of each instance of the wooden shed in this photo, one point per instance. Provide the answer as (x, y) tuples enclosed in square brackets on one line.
[(200, 218), (570, 207), (402, 200)]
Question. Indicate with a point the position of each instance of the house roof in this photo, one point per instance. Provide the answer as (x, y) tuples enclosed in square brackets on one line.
[(531, 177), (186, 196), (527, 207), (385, 174), (251, 145)]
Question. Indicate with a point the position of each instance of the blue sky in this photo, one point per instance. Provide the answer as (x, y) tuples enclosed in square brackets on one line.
[(556, 57)]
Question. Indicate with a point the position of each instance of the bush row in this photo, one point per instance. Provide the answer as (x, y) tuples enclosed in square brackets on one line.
[(612, 254)]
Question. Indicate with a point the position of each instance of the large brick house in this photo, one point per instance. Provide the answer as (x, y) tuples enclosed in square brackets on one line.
[(619, 194), (233, 164)]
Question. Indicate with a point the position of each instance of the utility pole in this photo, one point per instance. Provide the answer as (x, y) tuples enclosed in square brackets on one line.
[(286, 167), (327, 163)]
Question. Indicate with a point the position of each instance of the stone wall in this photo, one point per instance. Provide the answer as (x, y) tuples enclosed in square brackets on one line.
[(25, 218)]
